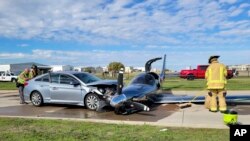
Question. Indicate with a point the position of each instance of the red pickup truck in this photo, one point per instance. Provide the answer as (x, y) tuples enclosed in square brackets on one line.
[(199, 73)]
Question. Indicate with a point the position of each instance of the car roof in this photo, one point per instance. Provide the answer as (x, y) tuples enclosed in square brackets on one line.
[(69, 72)]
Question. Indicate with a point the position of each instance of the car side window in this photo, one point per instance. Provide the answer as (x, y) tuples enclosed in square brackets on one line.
[(43, 79), (54, 78), (65, 79)]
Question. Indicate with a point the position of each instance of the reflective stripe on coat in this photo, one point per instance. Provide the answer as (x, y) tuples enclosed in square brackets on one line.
[(216, 75)]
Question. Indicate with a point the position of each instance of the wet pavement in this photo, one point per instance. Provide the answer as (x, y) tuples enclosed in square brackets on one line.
[(66, 111), (164, 114), (70, 111)]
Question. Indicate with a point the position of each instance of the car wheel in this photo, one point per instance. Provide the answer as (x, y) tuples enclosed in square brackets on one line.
[(92, 101), (13, 80), (36, 99), (190, 77)]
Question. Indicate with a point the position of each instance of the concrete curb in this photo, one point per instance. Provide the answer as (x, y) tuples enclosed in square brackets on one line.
[(172, 125)]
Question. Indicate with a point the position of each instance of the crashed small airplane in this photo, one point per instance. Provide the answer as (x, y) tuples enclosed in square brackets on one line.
[(144, 87), (125, 101)]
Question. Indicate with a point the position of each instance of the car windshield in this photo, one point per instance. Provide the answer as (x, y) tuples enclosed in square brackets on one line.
[(87, 78), (144, 79)]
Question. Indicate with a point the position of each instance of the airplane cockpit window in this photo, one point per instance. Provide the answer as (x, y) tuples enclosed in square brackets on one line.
[(144, 79)]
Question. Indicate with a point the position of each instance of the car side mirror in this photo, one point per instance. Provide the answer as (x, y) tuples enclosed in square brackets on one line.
[(74, 83)]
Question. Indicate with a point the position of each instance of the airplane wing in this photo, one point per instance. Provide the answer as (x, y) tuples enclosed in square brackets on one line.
[(170, 98)]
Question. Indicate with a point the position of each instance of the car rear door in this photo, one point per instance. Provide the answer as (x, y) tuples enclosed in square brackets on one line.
[(42, 84), (63, 89)]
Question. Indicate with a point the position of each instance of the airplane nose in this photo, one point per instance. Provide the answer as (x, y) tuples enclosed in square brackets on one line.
[(117, 99)]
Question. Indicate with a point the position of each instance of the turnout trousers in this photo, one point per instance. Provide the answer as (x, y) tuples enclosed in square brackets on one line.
[(221, 94)]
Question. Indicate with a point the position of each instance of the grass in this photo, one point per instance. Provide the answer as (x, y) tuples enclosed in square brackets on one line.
[(172, 83), (7, 86), (31, 129), (176, 83), (239, 83)]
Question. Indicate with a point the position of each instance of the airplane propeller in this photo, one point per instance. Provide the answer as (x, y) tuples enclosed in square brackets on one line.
[(120, 81)]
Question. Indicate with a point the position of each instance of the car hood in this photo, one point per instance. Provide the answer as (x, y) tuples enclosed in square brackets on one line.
[(103, 82)]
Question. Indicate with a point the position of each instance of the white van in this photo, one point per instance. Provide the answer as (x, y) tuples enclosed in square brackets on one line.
[(8, 76)]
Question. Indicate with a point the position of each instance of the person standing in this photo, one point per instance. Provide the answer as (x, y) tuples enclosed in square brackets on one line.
[(22, 78), (216, 74)]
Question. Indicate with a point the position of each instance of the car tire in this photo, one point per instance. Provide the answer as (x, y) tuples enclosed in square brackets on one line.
[(121, 110), (190, 77), (36, 99), (92, 101), (13, 80)]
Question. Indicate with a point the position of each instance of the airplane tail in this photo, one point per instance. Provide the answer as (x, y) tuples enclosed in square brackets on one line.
[(163, 75), (149, 62)]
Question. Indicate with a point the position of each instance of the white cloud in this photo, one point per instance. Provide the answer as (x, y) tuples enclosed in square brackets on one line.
[(233, 32), (117, 22), (249, 13), (176, 60), (188, 3), (244, 5), (13, 55), (228, 1), (23, 45), (236, 12), (156, 47)]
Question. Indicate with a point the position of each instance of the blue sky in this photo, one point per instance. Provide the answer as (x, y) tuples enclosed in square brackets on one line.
[(96, 32)]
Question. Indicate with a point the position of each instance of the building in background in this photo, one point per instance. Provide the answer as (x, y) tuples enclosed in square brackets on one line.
[(105, 69), (129, 69), (240, 70), (61, 68), (79, 68), (139, 69), (99, 69), (244, 67), (19, 67)]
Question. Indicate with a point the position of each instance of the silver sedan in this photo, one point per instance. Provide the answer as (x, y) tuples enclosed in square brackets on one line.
[(75, 88)]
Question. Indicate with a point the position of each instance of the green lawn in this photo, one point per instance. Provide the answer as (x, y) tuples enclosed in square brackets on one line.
[(174, 83), (30, 129), (239, 83), (7, 86)]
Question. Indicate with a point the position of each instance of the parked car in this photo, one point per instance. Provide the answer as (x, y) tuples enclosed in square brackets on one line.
[(75, 88), (199, 73), (8, 77)]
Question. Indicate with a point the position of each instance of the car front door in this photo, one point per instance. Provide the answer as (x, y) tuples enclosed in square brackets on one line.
[(63, 89)]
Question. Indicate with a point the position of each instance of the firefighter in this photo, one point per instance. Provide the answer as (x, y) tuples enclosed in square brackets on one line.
[(22, 78), (216, 74), (33, 72)]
